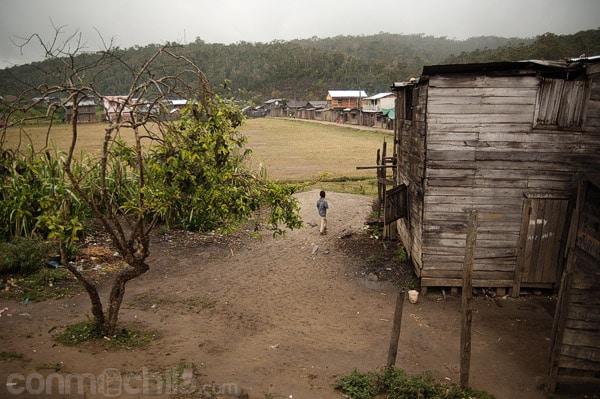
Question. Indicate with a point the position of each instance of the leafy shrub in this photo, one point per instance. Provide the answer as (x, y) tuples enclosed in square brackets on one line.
[(36, 198), (23, 255), (394, 383), (357, 385)]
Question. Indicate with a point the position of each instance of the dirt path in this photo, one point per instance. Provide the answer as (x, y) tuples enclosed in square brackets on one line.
[(284, 318)]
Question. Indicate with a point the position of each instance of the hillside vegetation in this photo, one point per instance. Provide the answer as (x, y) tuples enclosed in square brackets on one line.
[(305, 69)]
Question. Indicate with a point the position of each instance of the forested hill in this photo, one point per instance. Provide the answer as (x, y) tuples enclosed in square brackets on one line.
[(305, 69), (546, 47)]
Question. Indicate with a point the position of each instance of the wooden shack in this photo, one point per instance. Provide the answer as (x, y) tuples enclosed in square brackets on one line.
[(86, 111), (575, 339), (510, 140)]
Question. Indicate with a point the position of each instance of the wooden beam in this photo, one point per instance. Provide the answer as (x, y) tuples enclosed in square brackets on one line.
[(393, 350), (376, 167), (467, 299)]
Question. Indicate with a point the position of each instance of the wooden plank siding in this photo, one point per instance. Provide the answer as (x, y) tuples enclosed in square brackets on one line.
[(575, 342), (467, 119), (490, 141), (411, 155)]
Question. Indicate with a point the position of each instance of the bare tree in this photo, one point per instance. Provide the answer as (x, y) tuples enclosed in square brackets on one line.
[(141, 114)]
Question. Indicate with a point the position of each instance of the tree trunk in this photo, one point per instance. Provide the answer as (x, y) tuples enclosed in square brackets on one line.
[(97, 311), (118, 291)]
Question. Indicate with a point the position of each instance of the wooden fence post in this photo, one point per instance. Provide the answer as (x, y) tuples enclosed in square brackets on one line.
[(467, 299), (393, 350)]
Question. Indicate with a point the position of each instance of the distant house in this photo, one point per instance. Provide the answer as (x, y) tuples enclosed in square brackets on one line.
[(312, 110), (379, 110), (174, 108), (118, 109), (379, 102), (346, 105), (86, 111), (178, 104), (509, 140), (292, 107), (274, 107), (254, 112), (345, 99)]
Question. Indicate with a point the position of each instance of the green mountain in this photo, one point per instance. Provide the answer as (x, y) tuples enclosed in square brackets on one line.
[(305, 69)]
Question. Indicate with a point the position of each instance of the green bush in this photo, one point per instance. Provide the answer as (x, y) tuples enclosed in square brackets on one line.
[(357, 385), (37, 198), (23, 255), (394, 383)]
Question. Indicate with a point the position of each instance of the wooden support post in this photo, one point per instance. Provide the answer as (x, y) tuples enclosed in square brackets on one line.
[(516, 288), (379, 185), (393, 350), (467, 299)]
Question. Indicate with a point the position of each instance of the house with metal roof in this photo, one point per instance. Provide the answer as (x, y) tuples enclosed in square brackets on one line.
[(345, 99), (379, 102)]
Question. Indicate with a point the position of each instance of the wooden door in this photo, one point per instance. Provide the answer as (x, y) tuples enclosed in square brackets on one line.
[(541, 243)]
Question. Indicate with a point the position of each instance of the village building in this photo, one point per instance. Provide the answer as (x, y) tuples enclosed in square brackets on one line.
[(292, 107), (379, 110), (379, 102), (174, 108), (86, 111), (118, 108), (254, 112), (514, 143), (314, 110), (347, 105), (510, 140), (274, 107), (342, 106), (345, 99)]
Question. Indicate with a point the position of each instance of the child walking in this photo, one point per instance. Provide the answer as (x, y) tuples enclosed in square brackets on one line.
[(322, 206)]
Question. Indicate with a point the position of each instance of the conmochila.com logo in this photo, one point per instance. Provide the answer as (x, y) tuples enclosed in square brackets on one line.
[(112, 382)]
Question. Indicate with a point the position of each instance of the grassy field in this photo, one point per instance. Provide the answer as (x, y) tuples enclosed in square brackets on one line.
[(297, 150), (290, 150)]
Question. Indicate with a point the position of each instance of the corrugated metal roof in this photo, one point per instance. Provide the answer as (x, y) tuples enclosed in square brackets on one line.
[(379, 95), (347, 93), (82, 103), (583, 57)]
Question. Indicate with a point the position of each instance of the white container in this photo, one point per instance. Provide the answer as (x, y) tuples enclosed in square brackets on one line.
[(413, 296)]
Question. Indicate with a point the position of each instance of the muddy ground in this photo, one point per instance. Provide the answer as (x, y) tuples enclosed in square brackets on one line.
[(276, 318)]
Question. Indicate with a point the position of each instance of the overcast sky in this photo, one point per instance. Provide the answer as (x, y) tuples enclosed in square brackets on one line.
[(140, 22)]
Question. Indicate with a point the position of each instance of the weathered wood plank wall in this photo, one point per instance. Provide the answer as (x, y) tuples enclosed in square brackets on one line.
[(486, 142), (411, 161), (575, 345), (476, 138)]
